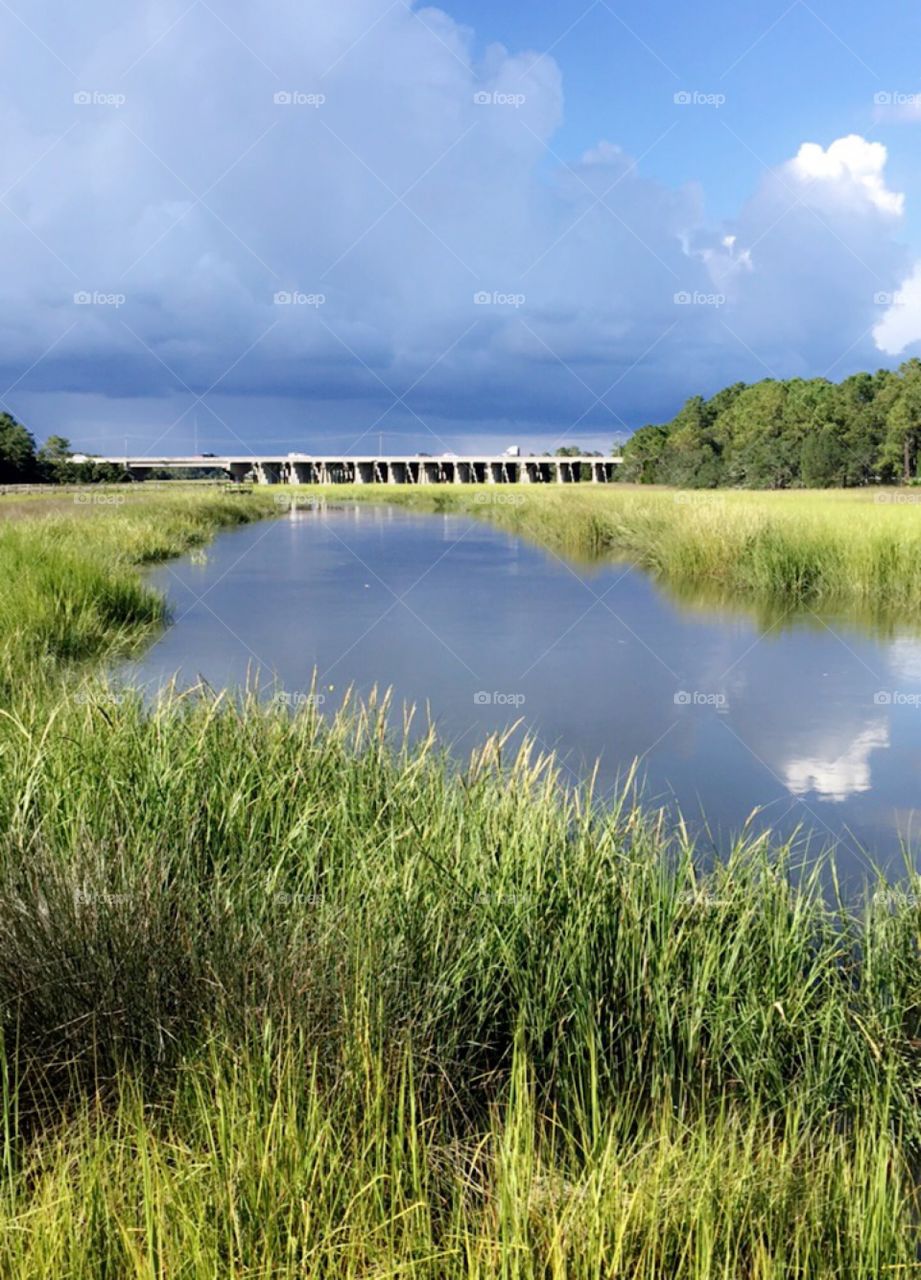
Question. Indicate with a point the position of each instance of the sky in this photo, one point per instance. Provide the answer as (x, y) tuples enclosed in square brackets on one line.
[(346, 227)]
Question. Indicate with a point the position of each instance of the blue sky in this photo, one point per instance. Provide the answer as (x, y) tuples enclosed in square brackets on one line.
[(307, 227), (789, 72)]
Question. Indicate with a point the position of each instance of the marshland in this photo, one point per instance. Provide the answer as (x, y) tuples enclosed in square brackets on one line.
[(290, 989)]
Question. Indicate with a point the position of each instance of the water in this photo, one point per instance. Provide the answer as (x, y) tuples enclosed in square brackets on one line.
[(817, 723)]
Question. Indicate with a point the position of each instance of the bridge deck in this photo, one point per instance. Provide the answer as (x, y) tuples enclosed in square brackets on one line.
[(408, 469)]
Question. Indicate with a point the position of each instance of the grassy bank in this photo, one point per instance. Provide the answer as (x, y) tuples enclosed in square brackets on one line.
[(283, 997), (850, 550), (71, 564)]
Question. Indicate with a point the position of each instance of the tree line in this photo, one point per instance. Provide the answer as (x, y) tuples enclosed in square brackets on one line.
[(21, 462), (774, 434)]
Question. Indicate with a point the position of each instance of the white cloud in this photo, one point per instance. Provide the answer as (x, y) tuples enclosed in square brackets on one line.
[(900, 325), (852, 164), (836, 777)]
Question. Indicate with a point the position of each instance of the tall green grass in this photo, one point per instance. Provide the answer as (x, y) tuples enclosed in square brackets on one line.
[(283, 996), (70, 569), (286, 997)]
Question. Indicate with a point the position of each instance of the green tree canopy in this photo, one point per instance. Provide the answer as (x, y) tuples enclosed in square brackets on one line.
[(778, 434), (54, 460), (17, 452)]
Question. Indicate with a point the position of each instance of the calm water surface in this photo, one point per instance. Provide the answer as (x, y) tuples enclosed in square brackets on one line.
[(817, 723)]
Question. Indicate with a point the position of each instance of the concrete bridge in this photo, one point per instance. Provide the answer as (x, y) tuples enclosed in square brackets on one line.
[(301, 468)]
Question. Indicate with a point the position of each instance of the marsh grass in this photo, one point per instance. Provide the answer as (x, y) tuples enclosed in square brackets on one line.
[(284, 995), (72, 590), (312, 1002)]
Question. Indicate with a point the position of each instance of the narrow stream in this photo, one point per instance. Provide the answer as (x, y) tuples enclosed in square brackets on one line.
[(815, 723)]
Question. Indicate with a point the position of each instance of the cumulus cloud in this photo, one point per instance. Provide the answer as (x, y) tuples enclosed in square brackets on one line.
[(856, 168), (812, 252), (446, 270), (900, 325)]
